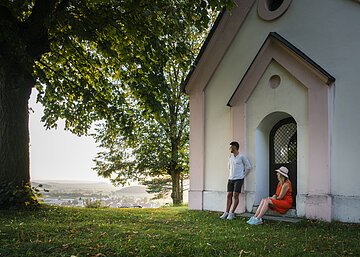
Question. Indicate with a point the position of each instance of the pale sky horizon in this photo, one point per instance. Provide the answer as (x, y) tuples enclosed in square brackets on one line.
[(59, 154)]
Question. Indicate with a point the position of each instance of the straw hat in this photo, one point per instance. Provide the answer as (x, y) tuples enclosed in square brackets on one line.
[(283, 171)]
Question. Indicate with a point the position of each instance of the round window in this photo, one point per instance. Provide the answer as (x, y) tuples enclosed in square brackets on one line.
[(274, 81), (271, 9), (273, 5)]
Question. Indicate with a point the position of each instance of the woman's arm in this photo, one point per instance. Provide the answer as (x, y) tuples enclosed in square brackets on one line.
[(284, 189)]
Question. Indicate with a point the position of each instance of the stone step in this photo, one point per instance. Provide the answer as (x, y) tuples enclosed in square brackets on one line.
[(271, 217), (290, 213), (289, 216)]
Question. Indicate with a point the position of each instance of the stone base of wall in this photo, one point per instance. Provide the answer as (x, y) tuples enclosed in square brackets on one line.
[(346, 209), (318, 207), (322, 207), (216, 201), (195, 200)]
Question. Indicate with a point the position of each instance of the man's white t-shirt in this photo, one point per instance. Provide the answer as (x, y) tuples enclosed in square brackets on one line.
[(237, 166)]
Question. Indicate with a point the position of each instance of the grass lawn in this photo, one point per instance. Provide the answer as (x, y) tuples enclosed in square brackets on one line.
[(170, 231)]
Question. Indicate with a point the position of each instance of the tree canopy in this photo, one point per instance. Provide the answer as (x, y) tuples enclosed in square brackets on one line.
[(156, 153), (158, 146), (99, 47), (81, 55)]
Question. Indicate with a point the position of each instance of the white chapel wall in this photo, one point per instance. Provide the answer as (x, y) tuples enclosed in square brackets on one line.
[(217, 139), (330, 37)]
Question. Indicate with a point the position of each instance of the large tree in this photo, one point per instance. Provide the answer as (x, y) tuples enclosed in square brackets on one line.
[(156, 153), (158, 147), (79, 53)]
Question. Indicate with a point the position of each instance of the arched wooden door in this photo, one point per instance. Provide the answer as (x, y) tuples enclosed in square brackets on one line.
[(283, 152)]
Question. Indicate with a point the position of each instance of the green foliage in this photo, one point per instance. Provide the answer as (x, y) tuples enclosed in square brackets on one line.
[(99, 50), (114, 62), (86, 54), (158, 145), (88, 203), (157, 110), (160, 186), (171, 231), (15, 196)]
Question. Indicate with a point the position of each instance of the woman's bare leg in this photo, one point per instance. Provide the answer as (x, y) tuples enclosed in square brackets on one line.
[(260, 207), (264, 208)]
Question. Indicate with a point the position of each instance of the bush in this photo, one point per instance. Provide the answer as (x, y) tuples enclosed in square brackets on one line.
[(15, 196), (93, 204)]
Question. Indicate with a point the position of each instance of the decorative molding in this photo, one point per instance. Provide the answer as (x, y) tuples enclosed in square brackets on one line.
[(275, 43)]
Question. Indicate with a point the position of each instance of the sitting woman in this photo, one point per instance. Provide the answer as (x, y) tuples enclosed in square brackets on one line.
[(281, 201)]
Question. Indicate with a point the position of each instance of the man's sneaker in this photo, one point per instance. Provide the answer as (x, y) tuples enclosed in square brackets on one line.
[(224, 216), (250, 220), (256, 221), (231, 216)]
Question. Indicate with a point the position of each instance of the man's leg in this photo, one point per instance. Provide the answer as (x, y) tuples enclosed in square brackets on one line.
[(229, 198), (228, 205), (236, 201), (237, 190)]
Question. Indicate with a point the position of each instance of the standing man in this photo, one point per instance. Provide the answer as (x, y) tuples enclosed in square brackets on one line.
[(239, 166)]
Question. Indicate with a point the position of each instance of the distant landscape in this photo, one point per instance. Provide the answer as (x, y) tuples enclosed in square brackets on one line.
[(81, 193)]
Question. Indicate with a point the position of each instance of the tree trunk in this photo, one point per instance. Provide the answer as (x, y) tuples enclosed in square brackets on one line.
[(15, 91), (182, 188), (176, 194)]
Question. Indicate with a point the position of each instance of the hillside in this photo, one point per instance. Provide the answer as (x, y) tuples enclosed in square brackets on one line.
[(74, 193), (132, 190), (68, 186)]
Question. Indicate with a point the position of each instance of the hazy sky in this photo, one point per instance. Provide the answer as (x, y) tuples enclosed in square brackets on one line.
[(58, 154)]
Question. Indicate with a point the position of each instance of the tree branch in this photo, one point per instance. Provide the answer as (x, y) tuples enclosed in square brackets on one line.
[(61, 7), (5, 14), (54, 71), (34, 29)]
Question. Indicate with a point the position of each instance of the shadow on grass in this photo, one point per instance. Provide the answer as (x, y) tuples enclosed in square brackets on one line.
[(169, 231)]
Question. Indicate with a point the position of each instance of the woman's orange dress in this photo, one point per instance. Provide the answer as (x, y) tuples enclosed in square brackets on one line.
[(283, 205)]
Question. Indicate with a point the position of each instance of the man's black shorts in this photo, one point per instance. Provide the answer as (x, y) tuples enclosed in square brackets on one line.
[(234, 185)]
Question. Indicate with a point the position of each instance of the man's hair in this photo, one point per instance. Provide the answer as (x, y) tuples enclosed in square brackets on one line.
[(236, 144)]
